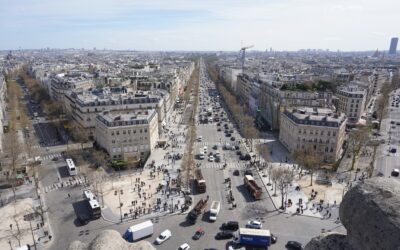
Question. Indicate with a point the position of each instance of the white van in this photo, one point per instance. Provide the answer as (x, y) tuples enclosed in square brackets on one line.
[(214, 210)]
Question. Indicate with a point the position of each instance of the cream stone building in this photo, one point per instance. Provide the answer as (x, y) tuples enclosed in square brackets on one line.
[(127, 135), (352, 99), (317, 129)]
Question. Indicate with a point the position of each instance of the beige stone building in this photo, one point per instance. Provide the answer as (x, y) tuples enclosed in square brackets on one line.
[(352, 99), (127, 135), (317, 129)]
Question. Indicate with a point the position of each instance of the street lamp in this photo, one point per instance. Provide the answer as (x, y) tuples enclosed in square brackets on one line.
[(120, 203)]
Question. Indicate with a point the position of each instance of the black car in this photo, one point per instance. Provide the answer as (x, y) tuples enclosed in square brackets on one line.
[(218, 129), (228, 135), (224, 235), (230, 225), (238, 152), (236, 172), (237, 147), (294, 245), (248, 172), (274, 239), (83, 219), (197, 235), (232, 138)]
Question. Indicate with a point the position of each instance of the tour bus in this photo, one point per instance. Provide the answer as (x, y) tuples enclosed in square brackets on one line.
[(71, 167), (93, 204)]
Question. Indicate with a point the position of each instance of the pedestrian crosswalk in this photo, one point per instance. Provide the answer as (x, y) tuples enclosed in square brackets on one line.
[(79, 180), (229, 165), (50, 156), (204, 143)]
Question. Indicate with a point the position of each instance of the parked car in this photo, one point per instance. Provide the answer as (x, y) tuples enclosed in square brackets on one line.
[(295, 245), (236, 172), (215, 147), (165, 235), (254, 224), (197, 235), (395, 172), (232, 138), (224, 235)]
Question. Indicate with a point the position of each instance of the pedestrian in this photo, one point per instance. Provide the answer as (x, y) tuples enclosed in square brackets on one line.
[(329, 216), (69, 195)]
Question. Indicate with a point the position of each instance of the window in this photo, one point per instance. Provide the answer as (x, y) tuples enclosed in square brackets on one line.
[(113, 141), (124, 132), (145, 130), (329, 133), (112, 133), (117, 132), (140, 130), (134, 131), (333, 133)]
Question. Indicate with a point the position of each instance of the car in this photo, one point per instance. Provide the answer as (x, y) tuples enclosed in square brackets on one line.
[(239, 152), (224, 235), (200, 138), (211, 158), (393, 150), (83, 218), (205, 149), (165, 235), (395, 172), (218, 124), (231, 131), (197, 235), (215, 147), (274, 239), (237, 147), (236, 172), (218, 129), (232, 138), (248, 172), (230, 225), (254, 224), (217, 159), (184, 246), (228, 135), (55, 159), (294, 245)]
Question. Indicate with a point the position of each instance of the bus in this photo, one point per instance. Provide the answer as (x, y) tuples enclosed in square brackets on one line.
[(71, 167), (93, 204)]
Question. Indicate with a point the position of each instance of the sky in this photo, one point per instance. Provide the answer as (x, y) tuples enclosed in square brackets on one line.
[(207, 25)]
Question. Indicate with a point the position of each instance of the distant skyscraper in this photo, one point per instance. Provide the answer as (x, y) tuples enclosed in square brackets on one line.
[(393, 45)]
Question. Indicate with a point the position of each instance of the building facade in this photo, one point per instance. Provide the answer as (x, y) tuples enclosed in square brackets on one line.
[(85, 106), (352, 99), (127, 136), (317, 129)]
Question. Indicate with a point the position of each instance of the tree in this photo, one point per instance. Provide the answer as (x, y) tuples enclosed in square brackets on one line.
[(309, 159), (282, 177), (357, 138)]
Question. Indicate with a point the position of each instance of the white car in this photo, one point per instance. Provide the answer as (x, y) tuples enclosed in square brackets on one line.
[(205, 150), (200, 138), (165, 235), (211, 158), (184, 246), (254, 224)]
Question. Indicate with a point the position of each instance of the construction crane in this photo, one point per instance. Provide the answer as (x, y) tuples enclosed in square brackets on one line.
[(242, 55)]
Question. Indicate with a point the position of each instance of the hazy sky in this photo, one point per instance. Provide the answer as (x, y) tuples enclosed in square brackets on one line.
[(199, 25)]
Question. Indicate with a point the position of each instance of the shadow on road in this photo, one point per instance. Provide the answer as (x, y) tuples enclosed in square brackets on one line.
[(63, 171), (243, 190)]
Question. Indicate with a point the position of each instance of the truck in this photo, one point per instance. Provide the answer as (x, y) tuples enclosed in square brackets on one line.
[(214, 210), (200, 182), (139, 231), (253, 237), (252, 186), (197, 210)]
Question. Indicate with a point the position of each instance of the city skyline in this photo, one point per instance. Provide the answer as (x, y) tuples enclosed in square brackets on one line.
[(200, 26)]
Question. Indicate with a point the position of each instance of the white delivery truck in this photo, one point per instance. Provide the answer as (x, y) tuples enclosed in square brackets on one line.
[(214, 210), (139, 231)]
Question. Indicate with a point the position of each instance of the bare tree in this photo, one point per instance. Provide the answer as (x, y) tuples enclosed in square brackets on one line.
[(16, 234), (283, 178), (309, 159), (358, 138)]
